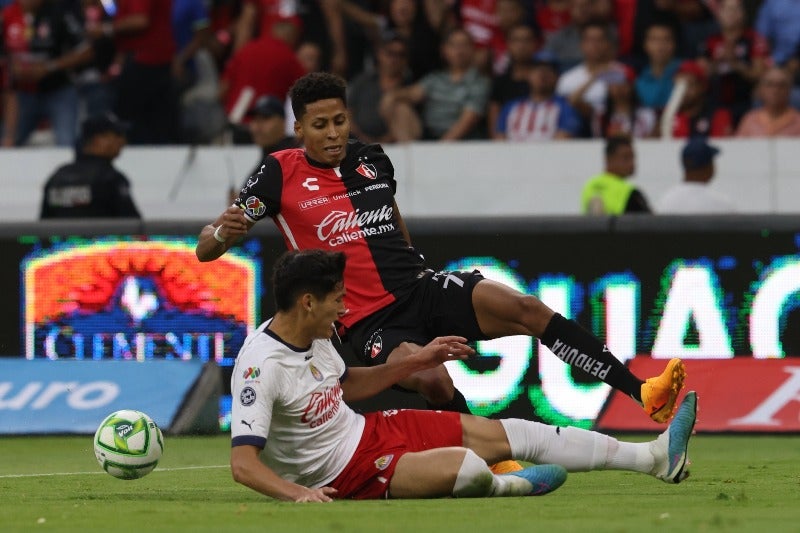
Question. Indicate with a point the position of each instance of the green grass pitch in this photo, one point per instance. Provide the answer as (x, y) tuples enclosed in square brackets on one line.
[(737, 483)]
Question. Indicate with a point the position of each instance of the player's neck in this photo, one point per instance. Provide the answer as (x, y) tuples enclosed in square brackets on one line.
[(290, 330)]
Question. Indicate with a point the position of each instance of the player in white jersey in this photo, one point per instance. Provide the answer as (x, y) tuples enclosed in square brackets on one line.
[(295, 438)]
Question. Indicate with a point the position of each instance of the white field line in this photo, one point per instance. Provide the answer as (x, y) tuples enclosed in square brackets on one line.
[(7, 476)]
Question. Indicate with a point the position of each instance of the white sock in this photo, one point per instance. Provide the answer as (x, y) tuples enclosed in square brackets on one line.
[(475, 480), (577, 450)]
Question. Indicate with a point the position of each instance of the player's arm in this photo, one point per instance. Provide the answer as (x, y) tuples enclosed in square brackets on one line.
[(217, 237), (257, 199), (248, 470), (364, 382)]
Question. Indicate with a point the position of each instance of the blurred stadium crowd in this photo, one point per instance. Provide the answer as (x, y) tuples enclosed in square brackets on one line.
[(181, 71)]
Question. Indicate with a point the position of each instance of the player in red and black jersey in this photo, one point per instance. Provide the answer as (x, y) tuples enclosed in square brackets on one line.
[(339, 196)]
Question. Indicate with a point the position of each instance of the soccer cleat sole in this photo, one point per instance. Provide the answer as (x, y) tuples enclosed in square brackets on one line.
[(679, 433), (663, 413), (543, 478)]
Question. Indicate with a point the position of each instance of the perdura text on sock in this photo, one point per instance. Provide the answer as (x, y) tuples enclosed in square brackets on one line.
[(573, 356)]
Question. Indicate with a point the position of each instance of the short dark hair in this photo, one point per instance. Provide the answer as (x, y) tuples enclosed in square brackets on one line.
[(658, 23), (604, 27), (309, 271), (615, 141), (314, 87)]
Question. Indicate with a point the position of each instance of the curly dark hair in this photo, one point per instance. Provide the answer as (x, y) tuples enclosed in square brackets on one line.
[(314, 87), (309, 271)]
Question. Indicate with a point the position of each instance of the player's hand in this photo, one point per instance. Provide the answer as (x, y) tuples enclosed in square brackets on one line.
[(325, 494), (443, 349), (233, 222)]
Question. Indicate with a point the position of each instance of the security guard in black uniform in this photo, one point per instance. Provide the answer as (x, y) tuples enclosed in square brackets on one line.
[(91, 187)]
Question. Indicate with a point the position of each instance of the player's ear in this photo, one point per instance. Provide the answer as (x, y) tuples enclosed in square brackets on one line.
[(306, 302), (298, 129)]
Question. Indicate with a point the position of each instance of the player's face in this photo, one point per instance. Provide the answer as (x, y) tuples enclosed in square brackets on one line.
[(324, 129), (328, 310)]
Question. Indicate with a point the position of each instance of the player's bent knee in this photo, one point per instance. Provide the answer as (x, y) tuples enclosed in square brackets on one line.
[(534, 314)]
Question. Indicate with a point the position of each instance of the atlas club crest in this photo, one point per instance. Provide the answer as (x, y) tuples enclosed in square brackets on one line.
[(367, 170)]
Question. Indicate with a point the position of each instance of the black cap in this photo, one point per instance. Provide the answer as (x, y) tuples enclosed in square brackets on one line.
[(697, 153), (267, 106), (104, 123)]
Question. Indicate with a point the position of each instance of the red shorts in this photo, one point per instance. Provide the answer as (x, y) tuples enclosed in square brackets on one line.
[(388, 435)]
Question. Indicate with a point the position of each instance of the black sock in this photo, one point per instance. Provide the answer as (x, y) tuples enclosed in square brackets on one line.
[(458, 404), (571, 343)]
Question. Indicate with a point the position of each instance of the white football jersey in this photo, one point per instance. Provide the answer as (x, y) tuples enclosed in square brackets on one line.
[(288, 401)]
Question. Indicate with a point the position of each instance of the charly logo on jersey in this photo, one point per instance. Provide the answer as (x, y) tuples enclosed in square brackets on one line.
[(251, 373), (254, 206), (311, 184), (315, 372), (247, 396), (367, 170), (383, 462)]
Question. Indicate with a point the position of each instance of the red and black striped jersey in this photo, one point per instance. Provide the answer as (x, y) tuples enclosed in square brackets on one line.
[(349, 209)]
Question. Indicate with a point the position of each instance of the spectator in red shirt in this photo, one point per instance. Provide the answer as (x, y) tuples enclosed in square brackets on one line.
[(44, 43), (318, 20), (146, 96), (697, 116), (551, 16), (736, 57), (267, 65)]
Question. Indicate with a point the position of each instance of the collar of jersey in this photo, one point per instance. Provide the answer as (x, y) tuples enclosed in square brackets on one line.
[(315, 163), (288, 345)]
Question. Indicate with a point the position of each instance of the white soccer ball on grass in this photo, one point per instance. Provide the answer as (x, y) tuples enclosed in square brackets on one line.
[(128, 444)]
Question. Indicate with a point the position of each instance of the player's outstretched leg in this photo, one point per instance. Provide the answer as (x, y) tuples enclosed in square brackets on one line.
[(660, 393), (671, 447), (580, 450)]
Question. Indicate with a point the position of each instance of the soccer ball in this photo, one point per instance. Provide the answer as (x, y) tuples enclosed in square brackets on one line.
[(128, 444)]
